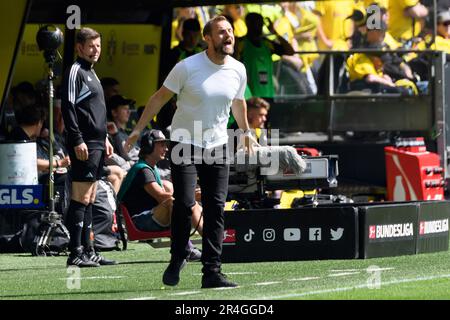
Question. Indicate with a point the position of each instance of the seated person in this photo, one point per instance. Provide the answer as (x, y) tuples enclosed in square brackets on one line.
[(111, 87), (148, 198), (30, 119), (442, 40), (61, 164), (371, 70), (119, 110), (257, 111)]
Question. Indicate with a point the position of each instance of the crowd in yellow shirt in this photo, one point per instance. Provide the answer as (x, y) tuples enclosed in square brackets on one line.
[(332, 25)]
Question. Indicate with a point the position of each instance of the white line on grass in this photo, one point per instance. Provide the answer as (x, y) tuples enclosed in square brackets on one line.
[(266, 283), (229, 273), (361, 286), (143, 298), (343, 274), (304, 279), (344, 270), (184, 293), (91, 278), (240, 273), (363, 269), (226, 288)]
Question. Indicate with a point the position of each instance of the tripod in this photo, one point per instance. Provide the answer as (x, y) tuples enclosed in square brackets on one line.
[(50, 220)]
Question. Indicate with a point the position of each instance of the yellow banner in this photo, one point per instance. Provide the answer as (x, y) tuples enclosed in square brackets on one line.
[(11, 17), (130, 54)]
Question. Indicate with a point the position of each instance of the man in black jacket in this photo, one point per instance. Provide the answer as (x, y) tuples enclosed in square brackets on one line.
[(84, 113)]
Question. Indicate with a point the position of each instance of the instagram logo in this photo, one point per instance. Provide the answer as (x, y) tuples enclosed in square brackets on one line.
[(268, 235)]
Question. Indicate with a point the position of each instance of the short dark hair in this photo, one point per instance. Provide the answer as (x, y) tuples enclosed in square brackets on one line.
[(86, 34), (30, 114), (208, 26), (257, 103), (108, 82), (191, 25), (253, 18)]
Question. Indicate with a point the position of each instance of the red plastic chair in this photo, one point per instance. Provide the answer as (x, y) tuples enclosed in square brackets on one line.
[(136, 234)]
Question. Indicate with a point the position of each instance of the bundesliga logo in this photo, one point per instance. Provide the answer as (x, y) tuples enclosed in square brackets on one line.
[(434, 226), (391, 231)]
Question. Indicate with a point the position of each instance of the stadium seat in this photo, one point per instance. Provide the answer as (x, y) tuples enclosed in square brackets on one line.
[(136, 234)]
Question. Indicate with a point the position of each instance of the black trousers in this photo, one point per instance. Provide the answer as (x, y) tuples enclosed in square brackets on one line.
[(212, 170)]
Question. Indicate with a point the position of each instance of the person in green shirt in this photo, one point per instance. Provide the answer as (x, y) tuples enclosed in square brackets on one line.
[(255, 51)]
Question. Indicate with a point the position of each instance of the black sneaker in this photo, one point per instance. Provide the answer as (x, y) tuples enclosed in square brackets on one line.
[(171, 276), (217, 280), (80, 259), (101, 260), (194, 255)]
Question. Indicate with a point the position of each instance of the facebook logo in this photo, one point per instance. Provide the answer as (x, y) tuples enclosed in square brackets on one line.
[(315, 234)]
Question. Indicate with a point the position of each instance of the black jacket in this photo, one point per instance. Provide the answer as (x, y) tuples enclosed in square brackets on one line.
[(83, 106)]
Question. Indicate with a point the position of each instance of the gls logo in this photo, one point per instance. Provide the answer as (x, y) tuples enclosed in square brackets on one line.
[(336, 234), (21, 196)]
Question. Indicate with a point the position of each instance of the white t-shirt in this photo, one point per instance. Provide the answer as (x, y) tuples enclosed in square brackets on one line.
[(205, 93)]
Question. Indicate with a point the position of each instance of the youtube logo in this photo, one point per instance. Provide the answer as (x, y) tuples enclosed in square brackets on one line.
[(291, 234)]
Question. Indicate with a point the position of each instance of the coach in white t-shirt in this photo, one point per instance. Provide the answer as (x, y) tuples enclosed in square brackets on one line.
[(207, 85)]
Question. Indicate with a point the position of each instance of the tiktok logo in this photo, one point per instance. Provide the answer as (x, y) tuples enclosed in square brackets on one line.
[(249, 236)]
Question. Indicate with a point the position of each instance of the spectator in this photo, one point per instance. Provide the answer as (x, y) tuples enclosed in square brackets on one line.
[(257, 111), (366, 70), (181, 14), (294, 73), (442, 41), (300, 24), (236, 12), (333, 28), (119, 108), (61, 165), (30, 119), (255, 51), (406, 18), (190, 45), (111, 87)]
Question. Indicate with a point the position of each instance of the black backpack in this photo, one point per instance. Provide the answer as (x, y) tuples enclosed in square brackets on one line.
[(44, 235), (107, 233)]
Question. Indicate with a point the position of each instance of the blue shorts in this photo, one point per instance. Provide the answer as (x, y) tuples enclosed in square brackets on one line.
[(144, 221)]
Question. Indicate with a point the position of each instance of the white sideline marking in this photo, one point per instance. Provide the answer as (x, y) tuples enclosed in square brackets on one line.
[(91, 278), (363, 269), (361, 286), (226, 288), (143, 298), (228, 273), (267, 283), (344, 270), (239, 273), (343, 274), (185, 293), (380, 269), (304, 279)]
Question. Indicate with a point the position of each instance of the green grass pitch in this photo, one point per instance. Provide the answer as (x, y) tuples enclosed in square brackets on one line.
[(138, 276)]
